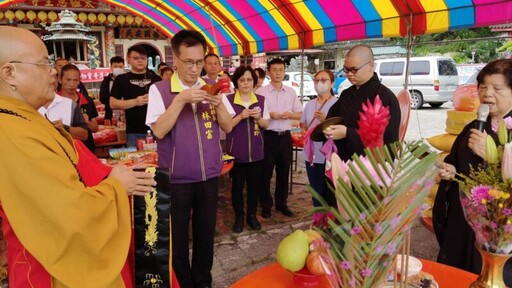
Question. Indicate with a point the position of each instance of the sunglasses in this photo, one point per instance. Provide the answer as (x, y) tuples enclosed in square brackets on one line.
[(354, 70)]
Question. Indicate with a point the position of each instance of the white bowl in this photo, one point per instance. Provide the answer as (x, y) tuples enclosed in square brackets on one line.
[(414, 265)]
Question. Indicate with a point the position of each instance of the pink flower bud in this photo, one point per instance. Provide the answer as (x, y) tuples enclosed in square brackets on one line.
[(506, 162)]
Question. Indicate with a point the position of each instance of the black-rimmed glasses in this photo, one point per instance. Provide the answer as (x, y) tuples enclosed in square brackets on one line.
[(354, 70), (190, 63)]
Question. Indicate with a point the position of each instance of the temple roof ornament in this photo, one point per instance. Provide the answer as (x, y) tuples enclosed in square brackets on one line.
[(67, 28)]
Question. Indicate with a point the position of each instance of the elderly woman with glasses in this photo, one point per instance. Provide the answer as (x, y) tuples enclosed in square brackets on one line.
[(456, 238), (315, 113)]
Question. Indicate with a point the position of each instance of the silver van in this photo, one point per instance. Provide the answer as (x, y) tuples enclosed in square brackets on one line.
[(432, 79)]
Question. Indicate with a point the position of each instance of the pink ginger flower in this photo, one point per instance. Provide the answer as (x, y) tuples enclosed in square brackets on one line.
[(373, 121), (322, 219)]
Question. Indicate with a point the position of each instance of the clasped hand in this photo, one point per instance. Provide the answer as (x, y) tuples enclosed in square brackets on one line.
[(335, 132), (135, 182), (142, 100), (319, 115), (446, 171), (198, 95), (58, 124), (281, 116), (254, 113)]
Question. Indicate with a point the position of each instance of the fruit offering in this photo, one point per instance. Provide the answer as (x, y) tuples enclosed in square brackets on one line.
[(299, 250)]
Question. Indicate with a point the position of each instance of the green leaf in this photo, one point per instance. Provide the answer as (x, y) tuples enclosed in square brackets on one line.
[(391, 208)]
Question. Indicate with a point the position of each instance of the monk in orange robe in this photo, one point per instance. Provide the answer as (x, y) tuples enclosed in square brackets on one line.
[(60, 233)]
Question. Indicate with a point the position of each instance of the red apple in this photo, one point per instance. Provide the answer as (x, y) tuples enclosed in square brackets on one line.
[(314, 264)]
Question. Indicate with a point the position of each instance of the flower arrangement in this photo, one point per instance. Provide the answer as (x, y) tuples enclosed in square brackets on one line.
[(486, 193), (378, 196)]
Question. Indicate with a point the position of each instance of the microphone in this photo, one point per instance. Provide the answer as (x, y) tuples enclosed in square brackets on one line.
[(481, 118)]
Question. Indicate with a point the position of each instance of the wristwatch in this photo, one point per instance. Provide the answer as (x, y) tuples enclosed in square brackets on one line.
[(66, 127)]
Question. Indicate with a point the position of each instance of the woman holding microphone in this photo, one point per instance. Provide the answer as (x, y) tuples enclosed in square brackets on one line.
[(456, 239)]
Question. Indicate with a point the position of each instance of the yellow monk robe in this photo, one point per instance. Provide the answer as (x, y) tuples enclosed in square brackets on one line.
[(80, 235)]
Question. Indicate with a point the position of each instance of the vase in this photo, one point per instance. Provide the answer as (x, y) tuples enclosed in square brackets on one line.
[(491, 275)]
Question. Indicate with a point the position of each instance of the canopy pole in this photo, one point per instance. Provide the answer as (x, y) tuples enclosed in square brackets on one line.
[(408, 51), (302, 69), (407, 63)]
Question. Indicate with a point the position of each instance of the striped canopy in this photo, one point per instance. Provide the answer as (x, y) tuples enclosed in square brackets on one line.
[(240, 27)]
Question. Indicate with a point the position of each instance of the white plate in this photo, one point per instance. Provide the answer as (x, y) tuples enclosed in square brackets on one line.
[(390, 285)]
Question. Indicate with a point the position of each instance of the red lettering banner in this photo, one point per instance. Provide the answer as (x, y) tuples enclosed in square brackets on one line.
[(93, 75)]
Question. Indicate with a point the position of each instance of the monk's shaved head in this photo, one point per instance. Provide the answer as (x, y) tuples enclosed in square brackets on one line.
[(25, 73), (16, 42), (362, 52), (359, 64)]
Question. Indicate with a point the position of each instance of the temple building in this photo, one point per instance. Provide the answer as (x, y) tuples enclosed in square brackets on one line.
[(113, 29)]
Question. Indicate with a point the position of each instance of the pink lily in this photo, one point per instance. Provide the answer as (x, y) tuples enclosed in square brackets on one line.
[(506, 162)]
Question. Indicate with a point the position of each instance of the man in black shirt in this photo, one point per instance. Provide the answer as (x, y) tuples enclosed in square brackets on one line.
[(130, 92), (117, 66), (359, 67)]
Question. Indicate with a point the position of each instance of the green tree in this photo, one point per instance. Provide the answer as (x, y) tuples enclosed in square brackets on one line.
[(485, 51), (506, 47)]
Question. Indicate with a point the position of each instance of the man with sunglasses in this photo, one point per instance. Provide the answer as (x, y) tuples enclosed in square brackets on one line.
[(359, 67)]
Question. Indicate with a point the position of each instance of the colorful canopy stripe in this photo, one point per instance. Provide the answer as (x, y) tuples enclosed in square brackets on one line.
[(239, 27)]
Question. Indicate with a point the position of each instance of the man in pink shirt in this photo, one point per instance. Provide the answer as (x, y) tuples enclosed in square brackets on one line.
[(283, 106)]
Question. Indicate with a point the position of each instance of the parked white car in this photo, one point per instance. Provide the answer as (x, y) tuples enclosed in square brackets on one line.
[(292, 79)]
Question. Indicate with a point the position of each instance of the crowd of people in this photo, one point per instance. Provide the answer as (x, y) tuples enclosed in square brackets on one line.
[(43, 109)]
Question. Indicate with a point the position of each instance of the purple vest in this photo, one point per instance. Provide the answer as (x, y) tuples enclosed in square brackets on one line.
[(245, 142), (191, 150)]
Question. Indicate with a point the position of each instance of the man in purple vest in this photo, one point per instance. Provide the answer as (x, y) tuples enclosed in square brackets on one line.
[(186, 122), (212, 68)]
